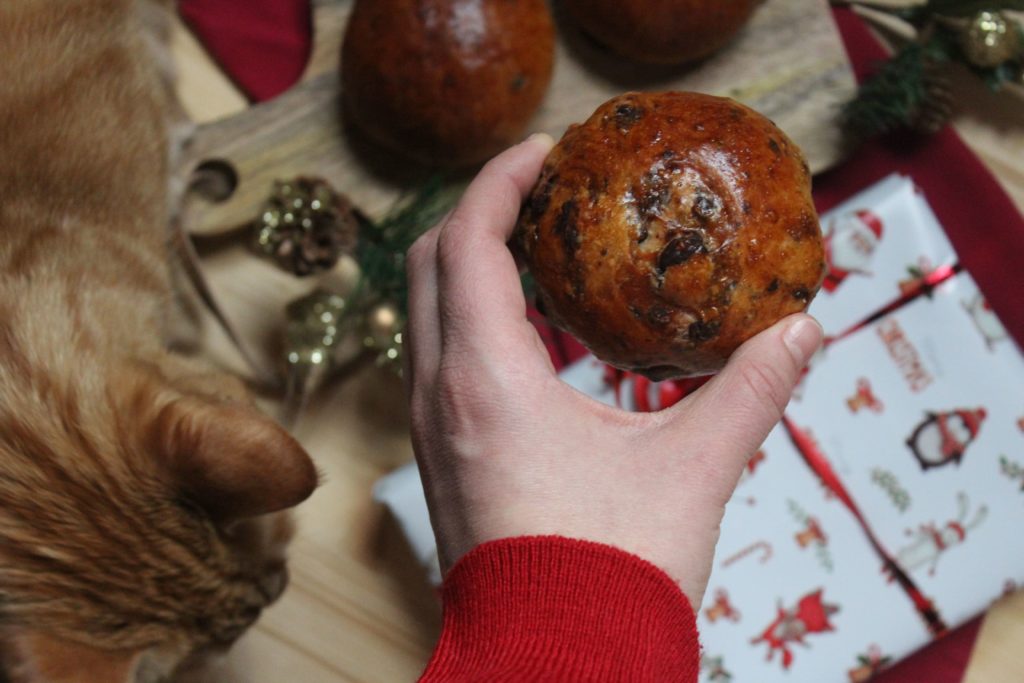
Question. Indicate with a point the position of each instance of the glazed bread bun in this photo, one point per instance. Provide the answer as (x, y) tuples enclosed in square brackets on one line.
[(670, 228), (662, 31), (446, 82)]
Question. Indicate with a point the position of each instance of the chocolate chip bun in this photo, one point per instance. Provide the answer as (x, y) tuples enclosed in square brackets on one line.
[(662, 31), (446, 82), (670, 228)]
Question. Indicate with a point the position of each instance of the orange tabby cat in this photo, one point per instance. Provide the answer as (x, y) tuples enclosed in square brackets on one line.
[(135, 484)]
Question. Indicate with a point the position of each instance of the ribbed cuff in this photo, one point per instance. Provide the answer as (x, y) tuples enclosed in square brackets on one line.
[(556, 609)]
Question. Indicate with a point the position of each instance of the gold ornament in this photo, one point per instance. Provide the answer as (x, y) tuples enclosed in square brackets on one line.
[(305, 226), (383, 333), (990, 40), (316, 323)]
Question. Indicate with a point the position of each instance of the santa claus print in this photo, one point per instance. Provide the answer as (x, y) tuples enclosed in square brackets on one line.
[(792, 625), (943, 438), (850, 243), (931, 541)]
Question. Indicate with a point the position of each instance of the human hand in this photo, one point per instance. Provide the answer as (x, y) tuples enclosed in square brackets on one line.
[(507, 449)]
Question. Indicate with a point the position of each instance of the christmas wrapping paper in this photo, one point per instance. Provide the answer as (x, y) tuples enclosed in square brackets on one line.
[(915, 415), (877, 245), (881, 512)]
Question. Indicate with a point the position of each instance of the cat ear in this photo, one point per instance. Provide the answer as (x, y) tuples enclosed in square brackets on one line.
[(40, 658), (232, 460)]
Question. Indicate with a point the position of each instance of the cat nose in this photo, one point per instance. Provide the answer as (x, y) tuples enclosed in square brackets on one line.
[(273, 583)]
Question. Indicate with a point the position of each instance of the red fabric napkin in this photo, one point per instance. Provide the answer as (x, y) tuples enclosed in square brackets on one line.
[(263, 45)]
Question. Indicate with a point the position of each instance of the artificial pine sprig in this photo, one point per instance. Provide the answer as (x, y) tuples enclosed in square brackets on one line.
[(898, 94), (382, 245), (913, 90)]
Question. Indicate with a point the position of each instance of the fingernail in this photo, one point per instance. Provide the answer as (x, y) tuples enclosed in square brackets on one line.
[(802, 338), (542, 138)]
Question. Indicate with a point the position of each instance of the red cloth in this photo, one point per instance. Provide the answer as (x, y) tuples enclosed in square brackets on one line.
[(549, 609), (263, 45)]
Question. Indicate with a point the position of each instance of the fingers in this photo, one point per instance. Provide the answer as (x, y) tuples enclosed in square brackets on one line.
[(735, 411), (479, 290), (423, 329)]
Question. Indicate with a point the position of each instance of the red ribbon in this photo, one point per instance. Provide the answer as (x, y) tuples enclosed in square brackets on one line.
[(819, 464)]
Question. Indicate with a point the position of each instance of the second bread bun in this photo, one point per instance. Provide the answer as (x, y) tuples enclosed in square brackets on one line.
[(446, 82), (662, 31)]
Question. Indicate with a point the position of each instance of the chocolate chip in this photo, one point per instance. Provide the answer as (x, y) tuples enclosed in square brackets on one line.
[(658, 315), (565, 227), (806, 228), (705, 207), (701, 331), (626, 115), (540, 198), (578, 284), (774, 146), (801, 294), (656, 194), (681, 249), (773, 285)]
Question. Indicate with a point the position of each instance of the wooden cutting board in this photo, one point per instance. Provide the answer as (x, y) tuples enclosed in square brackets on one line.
[(788, 63)]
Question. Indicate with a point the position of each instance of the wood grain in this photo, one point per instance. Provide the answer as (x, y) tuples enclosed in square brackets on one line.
[(788, 63), (358, 608)]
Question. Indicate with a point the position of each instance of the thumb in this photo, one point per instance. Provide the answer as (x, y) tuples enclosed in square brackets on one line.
[(739, 407)]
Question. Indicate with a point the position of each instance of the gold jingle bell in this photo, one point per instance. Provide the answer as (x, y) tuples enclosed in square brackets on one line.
[(990, 40), (316, 323), (383, 333)]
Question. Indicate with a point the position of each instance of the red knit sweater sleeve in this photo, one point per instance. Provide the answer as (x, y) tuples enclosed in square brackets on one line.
[(550, 609)]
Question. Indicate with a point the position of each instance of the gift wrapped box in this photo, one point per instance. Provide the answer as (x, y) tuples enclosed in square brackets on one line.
[(879, 514)]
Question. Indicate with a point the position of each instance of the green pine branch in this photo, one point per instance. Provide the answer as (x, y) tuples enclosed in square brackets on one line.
[(382, 245), (893, 96)]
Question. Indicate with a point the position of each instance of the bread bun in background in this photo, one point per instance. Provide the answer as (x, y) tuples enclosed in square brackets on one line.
[(669, 228), (662, 31), (446, 82)]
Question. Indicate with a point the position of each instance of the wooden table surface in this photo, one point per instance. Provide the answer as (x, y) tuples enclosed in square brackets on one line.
[(358, 607)]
